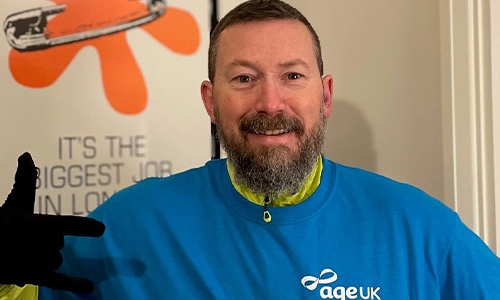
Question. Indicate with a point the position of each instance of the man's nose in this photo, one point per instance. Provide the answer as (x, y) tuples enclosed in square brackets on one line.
[(270, 98)]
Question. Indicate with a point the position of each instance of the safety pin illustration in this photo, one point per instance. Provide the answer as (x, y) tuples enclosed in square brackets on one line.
[(27, 30)]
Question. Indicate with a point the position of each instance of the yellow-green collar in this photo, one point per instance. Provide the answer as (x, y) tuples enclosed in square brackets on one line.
[(312, 182)]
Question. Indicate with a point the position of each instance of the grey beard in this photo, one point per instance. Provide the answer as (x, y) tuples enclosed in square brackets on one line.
[(273, 171)]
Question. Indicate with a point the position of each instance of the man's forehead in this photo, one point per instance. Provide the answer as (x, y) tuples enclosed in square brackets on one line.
[(263, 25), (256, 37)]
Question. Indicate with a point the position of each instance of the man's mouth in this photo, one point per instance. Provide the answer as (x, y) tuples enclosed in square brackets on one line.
[(272, 132), (263, 125)]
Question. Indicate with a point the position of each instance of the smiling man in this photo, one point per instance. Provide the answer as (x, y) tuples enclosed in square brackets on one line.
[(276, 220), (270, 103)]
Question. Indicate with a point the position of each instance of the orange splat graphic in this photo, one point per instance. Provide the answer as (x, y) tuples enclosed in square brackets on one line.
[(121, 76)]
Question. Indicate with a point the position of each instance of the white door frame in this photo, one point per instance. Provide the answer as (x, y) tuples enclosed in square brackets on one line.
[(468, 122), (495, 79)]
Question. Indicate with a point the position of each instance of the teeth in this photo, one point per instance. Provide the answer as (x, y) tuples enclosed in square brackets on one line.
[(274, 132)]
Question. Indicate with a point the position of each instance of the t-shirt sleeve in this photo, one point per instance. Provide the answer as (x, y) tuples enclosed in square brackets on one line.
[(14, 292), (471, 269)]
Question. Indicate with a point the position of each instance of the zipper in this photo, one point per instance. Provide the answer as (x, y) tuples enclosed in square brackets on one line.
[(266, 215)]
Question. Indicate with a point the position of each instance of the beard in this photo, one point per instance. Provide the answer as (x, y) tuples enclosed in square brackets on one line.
[(272, 171)]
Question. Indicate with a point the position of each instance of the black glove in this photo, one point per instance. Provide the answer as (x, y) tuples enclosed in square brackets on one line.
[(30, 243)]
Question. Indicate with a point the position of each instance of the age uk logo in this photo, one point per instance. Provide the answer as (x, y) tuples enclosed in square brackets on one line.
[(327, 291)]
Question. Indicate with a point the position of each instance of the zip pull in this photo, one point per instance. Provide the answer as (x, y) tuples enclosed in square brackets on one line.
[(267, 215)]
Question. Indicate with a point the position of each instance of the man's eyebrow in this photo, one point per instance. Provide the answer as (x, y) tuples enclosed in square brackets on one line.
[(294, 63), (283, 65), (242, 63)]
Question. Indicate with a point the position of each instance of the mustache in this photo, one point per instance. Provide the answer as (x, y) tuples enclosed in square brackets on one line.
[(262, 123)]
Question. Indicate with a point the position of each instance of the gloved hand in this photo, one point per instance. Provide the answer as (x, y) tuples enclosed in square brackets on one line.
[(30, 243)]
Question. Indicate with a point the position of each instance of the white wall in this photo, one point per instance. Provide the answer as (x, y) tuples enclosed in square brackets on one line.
[(385, 60), (467, 113)]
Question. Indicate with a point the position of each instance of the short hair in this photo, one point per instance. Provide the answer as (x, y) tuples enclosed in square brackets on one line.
[(259, 10)]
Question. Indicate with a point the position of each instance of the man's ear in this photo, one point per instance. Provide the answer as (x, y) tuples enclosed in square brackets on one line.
[(327, 94), (207, 96)]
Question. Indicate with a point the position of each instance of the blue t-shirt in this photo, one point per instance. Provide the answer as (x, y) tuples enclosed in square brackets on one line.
[(359, 236)]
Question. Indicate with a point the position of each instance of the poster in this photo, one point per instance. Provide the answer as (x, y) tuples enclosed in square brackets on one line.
[(102, 94)]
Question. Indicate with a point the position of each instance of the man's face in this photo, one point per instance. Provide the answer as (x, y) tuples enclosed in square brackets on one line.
[(268, 99)]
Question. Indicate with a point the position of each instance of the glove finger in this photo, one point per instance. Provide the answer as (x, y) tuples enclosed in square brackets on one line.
[(69, 225), (24, 266), (39, 263), (49, 262), (22, 196), (62, 282), (49, 242)]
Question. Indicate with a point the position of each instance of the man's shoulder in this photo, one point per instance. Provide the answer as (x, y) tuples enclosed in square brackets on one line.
[(177, 180), (368, 180), (182, 185), (384, 193)]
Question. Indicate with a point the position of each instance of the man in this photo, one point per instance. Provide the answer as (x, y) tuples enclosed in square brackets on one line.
[(276, 220)]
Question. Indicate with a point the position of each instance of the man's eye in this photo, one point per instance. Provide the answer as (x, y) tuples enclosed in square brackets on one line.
[(293, 76), (243, 79)]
